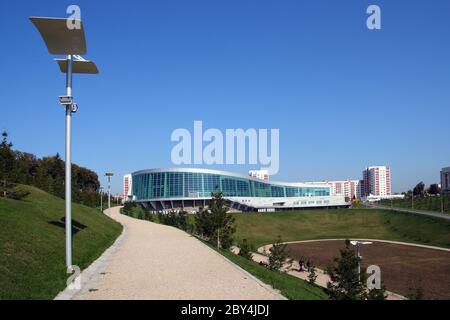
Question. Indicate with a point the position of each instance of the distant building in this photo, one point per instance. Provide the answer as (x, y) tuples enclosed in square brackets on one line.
[(377, 181), (445, 180), (127, 187), (190, 189), (259, 174), (348, 188)]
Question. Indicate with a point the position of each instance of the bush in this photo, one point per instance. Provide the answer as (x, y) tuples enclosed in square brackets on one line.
[(128, 208), (174, 219), (277, 255), (10, 190), (312, 277), (246, 250)]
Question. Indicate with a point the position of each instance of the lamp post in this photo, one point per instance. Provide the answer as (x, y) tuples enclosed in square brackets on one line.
[(101, 199), (359, 256), (109, 175), (71, 42)]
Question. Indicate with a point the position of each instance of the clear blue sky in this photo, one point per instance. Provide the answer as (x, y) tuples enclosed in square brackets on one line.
[(342, 96)]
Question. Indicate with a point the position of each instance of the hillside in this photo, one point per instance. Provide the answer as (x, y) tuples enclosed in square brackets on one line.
[(264, 228), (32, 243), (422, 203)]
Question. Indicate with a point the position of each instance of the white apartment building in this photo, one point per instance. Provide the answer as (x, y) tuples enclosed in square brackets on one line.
[(377, 181), (445, 180), (127, 187), (348, 188)]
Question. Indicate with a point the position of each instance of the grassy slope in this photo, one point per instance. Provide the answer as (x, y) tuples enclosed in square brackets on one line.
[(264, 228), (32, 251), (423, 203)]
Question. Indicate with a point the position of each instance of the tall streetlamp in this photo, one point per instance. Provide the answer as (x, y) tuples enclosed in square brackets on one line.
[(360, 257), (109, 175), (62, 38), (101, 199)]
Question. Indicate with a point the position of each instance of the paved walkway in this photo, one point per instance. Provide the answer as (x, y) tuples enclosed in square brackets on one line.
[(434, 214), (153, 262)]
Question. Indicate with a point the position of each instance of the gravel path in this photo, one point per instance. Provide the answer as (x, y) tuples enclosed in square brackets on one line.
[(159, 262)]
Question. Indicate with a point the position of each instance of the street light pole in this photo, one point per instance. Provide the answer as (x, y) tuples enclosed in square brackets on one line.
[(109, 175), (101, 199), (109, 192), (358, 255), (71, 42), (68, 181)]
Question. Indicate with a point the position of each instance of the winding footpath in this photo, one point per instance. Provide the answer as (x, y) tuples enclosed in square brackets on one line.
[(153, 262)]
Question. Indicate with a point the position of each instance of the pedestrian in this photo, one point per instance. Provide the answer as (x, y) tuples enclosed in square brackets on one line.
[(308, 265), (301, 264)]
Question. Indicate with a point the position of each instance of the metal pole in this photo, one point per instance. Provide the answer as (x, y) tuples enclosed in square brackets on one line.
[(68, 181), (109, 192), (101, 200), (359, 262)]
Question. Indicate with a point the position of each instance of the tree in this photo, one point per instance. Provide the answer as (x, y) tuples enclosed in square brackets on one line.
[(216, 224), (312, 277), (277, 255), (7, 161), (223, 222), (377, 294), (419, 189), (345, 283), (246, 250), (434, 189)]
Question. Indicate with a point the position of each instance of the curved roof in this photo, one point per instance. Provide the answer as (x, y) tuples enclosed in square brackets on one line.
[(226, 173)]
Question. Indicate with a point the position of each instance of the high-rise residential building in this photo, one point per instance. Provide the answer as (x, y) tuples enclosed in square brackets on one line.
[(445, 180), (259, 174), (377, 181), (127, 183)]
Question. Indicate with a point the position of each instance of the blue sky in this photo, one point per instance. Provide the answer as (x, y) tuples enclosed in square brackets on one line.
[(342, 96)]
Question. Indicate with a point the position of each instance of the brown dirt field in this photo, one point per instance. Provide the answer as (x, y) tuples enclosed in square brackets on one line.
[(402, 267)]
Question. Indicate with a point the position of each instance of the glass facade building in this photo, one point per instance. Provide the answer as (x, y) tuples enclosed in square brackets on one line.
[(159, 184)]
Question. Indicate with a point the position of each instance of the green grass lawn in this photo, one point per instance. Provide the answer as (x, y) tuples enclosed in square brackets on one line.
[(32, 244), (421, 203), (291, 287), (264, 228)]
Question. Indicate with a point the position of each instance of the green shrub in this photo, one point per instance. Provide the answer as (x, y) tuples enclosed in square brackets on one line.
[(277, 255), (246, 250)]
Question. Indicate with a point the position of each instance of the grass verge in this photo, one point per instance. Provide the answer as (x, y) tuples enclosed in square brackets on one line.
[(32, 243), (434, 203), (291, 287)]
